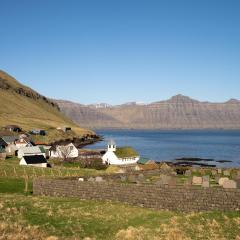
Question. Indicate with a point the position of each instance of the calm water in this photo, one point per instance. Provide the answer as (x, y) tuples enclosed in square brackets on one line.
[(172, 144)]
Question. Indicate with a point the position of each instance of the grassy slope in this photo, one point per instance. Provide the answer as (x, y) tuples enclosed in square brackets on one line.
[(30, 113)]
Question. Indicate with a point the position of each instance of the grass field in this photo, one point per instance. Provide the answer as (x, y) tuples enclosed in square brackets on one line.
[(31, 217), (24, 216)]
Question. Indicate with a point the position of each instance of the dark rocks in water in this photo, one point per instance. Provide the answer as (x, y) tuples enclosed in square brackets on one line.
[(190, 164), (223, 161), (195, 159)]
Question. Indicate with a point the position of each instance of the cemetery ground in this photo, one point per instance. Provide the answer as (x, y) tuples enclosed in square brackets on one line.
[(24, 216)]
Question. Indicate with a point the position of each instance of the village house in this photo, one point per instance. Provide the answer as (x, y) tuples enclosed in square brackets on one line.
[(30, 151), (9, 144), (120, 156), (34, 160), (2, 153), (40, 132), (61, 151), (13, 128), (9, 139), (45, 147), (64, 129)]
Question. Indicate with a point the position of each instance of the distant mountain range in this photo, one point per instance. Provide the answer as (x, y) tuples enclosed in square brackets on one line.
[(179, 112)]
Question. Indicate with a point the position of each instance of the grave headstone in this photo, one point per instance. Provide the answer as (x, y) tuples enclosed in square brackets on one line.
[(197, 180), (91, 179), (217, 177), (205, 182), (188, 182), (188, 173), (172, 181), (123, 178), (222, 180), (226, 173), (229, 184), (132, 178), (141, 177), (238, 182), (214, 172), (81, 179), (163, 180), (99, 179), (206, 178), (166, 169)]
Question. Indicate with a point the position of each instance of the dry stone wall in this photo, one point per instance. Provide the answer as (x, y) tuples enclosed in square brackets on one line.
[(177, 198)]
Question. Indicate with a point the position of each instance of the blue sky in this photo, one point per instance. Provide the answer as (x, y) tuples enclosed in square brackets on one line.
[(119, 51)]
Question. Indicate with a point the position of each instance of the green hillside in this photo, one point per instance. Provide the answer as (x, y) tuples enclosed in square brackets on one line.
[(23, 106)]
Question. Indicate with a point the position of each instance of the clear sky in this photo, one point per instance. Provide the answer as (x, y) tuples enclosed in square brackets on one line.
[(126, 50)]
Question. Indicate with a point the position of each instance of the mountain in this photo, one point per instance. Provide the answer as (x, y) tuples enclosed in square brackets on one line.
[(179, 112), (25, 107), (99, 105)]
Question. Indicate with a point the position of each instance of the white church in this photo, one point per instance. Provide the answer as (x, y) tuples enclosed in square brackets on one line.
[(119, 156)]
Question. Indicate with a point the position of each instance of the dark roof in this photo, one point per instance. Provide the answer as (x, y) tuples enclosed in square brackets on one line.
[(9, 139), (2, 143), (35, 159)]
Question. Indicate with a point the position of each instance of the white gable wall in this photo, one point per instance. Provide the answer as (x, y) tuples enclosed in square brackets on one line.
[(72, 154)]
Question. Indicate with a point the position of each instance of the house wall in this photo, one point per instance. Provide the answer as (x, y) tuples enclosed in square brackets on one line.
[(112, 159), (177, 198), (58, 154), (10, 149)]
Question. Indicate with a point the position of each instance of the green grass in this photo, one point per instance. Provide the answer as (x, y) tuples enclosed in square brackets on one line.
[(123, 152), (13, 185), (71, 218)]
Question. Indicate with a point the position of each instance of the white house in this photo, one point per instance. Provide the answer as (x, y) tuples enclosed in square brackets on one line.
[(120, 156), (30, 151), (34, 160), (68, 151)]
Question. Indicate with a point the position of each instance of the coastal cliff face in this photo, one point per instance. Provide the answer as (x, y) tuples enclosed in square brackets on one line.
[(179, 112)]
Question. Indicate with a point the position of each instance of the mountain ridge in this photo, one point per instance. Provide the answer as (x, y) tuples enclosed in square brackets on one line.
[(178, 112)]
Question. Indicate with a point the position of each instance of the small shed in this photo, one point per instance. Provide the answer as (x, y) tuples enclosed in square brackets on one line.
[(40, 132), (34, 160), (13, 128)]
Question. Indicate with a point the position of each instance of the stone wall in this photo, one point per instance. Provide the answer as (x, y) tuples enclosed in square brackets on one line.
[(177, 198)]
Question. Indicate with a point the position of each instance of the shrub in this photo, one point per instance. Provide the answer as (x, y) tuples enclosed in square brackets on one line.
[(95, 163)]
